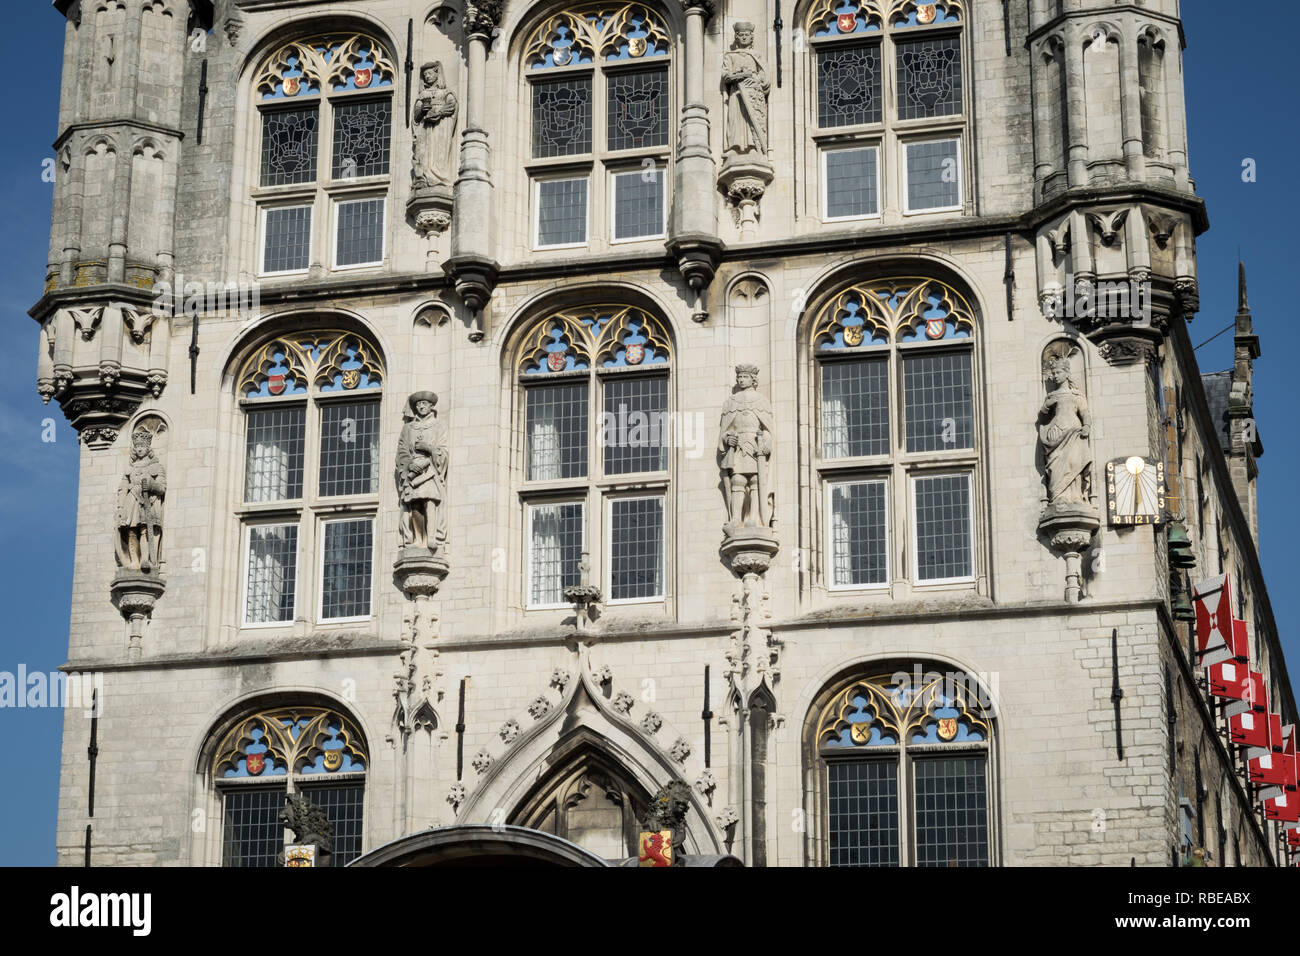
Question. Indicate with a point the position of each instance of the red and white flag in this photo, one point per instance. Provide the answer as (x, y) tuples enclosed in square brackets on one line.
[(1214, 630)]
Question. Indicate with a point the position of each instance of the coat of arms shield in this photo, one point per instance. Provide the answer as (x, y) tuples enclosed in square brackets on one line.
[(655, 848), (635, 353), (947, 728), (362, 77), (292, 85), (847, 22), (555, 361), (935, 328), (255, 763)]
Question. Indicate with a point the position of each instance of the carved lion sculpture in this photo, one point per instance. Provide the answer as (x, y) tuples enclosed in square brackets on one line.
[(668, 807), (307, 821)]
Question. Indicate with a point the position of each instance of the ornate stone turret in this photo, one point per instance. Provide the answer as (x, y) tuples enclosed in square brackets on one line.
[(1118, 217), (1244, 442), (102, 349)]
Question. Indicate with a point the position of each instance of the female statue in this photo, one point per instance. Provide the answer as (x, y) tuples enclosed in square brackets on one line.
[(434, 114), (1065, 425)]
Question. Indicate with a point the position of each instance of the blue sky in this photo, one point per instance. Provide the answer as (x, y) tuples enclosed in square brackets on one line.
[(1236, 73)]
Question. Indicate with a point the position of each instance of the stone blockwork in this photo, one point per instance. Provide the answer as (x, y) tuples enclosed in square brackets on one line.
[(449, 312)]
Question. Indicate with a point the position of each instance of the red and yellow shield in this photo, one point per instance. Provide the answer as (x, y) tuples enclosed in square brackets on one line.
[(935, 328), (635, 354), (351, 377), (656, 848), (555, 361), (292, 85), (255, 763), (947, 728), (925, 13), (362, 77), (847, 22)]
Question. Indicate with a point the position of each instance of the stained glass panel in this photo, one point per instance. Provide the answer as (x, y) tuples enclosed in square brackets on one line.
[(848, 86), (562, 117), (638, 109), (289, 146), (362, 132), (929, 77)]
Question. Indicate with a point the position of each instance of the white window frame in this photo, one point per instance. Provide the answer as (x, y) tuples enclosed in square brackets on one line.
[(662, 498), (904, 145), (263, 211), (537, 212), (968, 474), (831, 485), (825, 182), (246, 563), (320, 566), (337, 204), (662, 172), (530, 508)]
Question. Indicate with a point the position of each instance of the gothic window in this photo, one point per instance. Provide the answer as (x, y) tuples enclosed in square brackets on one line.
[(310, 404), (887, 152), (597, 83), (313, 752), (896, 408), (594, 398), (903, 760), (325, 121)]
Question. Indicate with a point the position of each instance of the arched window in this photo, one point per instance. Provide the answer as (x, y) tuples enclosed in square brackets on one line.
[(902, 770), (594, 399), (882, 153), (310, 403), (311, 751), (598, 83), (896, 400), (325, 116)]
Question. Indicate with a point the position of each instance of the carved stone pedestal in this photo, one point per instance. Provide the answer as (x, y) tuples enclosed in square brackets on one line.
[(429, 210), (749, 550), (134, 595), (697, 258), (419, 572), (1069, 529), (475, 278), (744, 180)]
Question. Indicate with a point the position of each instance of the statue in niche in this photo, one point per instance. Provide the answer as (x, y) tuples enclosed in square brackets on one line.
[(422, 474), (434, 115), (746, 85), (139, 506), (746, 442), (1064, 430)]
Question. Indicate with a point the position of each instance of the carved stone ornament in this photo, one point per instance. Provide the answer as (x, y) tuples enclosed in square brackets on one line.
[(140, 506), (746, 85), (456, 795), (509, 731), (482, 761), (727, 817), (746, 439), (706, 783), (623, 702), (539, 707), (482, 17), (560, 679), (680, 750), (1187, 294), (1127, 351), (1108, 224), (651, 722), (706, 8), (603, 675), (421, 474)]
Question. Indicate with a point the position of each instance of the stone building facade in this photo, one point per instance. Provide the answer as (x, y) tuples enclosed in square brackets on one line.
[(494, 411)]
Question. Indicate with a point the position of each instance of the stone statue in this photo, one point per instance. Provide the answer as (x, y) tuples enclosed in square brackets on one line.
[(746, 442), (1065, 425), (434, 115), (422, 474), (308, 822), (746, 85), (139, 506)]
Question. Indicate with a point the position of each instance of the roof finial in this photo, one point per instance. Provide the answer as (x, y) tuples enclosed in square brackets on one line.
[(1242, 304)]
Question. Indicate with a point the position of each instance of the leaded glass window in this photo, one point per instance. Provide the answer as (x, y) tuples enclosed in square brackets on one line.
[(897, 402), (848, 86), (562, 117), (311, 450), (597, 86), (595, 398), (342, 84), (929, 77), (289, 146), (309, 751), (362, 133), (943, 518), (852, 182), (636, 548), (638, 109), (906, 768), (882, 78)]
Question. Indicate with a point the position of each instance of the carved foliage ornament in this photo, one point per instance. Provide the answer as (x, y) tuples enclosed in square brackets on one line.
[(906, 707), (836, 17), (301, 740), (611, 336), (334, 63), (331, 360), (590, 33), (903, 310)]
